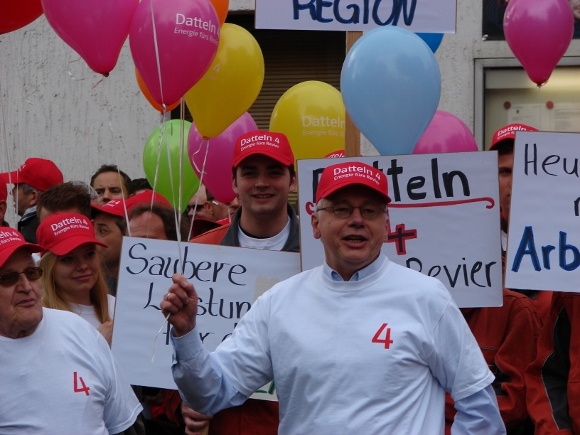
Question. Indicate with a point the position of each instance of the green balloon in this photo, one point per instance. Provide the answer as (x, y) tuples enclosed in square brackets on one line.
[(166, 163)]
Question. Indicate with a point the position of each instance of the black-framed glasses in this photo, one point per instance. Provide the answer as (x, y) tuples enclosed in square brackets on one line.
[(31, 273), (344, 211)]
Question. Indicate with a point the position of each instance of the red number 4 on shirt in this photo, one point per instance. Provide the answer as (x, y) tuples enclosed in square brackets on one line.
[(383, 336), (83, 388)]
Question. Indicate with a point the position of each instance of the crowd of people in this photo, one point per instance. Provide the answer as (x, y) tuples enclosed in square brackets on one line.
[(357, 345)]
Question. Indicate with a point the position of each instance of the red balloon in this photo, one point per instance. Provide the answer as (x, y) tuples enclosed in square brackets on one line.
[(95, 29), (15, 14), (538, 32), (445, 134)]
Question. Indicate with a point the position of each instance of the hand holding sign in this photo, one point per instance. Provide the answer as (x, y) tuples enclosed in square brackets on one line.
[(180, 304)]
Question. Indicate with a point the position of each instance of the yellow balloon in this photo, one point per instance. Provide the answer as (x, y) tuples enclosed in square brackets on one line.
[(312, 115), (230, 85)]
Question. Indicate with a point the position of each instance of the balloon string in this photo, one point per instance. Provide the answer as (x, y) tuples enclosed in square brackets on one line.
[(156, 46), (202, 172)]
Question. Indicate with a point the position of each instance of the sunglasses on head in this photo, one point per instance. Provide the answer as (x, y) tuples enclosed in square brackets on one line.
[(31, 273)]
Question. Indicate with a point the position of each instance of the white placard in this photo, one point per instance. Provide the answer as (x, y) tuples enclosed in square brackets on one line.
[(444, 219), (427, 16), (227, 280), (544, 241)]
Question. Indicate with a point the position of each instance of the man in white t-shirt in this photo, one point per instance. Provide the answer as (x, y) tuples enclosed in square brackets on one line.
[(58, 374), (357, 345)]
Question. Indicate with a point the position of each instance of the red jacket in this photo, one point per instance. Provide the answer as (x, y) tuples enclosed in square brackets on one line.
[(553, 379), (507, 337)]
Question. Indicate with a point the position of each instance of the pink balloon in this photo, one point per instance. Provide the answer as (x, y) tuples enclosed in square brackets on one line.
[(538, 32), (173, 43), (95, 29), (445, 134), (217, 171)]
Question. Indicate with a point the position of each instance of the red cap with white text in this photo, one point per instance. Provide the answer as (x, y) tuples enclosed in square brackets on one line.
[(117, 208), (335, 177), (60, 233), (508, 132), (268, 143), (10, 241)]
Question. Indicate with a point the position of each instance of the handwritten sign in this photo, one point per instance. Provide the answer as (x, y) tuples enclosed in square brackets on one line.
[(227, 280), (543, 241), (429, 16), (444, 219)]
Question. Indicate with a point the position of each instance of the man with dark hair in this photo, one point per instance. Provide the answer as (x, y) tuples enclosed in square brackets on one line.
[(72, 196), (156, 221), (110, 182), (262, 177), (30, 180)]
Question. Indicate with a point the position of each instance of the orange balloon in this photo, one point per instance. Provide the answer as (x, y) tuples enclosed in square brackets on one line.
[(150, 98), (221, 7)]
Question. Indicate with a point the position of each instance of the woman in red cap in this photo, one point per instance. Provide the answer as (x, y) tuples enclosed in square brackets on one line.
[(73, 279)]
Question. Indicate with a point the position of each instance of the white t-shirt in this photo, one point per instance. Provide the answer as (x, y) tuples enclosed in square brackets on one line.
[(274, 243), (371, 357), (63, 379), (87, 312)]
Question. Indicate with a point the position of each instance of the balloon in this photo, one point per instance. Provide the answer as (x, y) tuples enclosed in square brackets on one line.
[(538, 32), (231, 84), (15, 14), (221, 7), (391, 85), (170, 175), (214, 157), (173, 43), (149, 98), (433, 40), (312, 115), (95, 29), (446, 134)]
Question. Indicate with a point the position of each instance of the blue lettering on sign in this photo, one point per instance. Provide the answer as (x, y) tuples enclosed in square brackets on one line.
[(357, 13), (527, 247)]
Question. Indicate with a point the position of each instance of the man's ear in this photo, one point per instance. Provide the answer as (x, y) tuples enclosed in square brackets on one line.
[(315, 224), (34, 197), (293, 183), (3, 208)]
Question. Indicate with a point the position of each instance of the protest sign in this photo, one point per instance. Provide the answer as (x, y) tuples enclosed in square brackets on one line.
[(543, 240), (443, 219), (227, 280), (426, 16)]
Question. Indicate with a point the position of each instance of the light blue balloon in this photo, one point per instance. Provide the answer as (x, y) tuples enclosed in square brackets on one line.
[(391, 84), (433, 40)]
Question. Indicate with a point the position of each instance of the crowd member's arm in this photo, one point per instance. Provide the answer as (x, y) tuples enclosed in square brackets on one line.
[(195, 422), (547, 377), (478, 414), (513, 356), (225, 378)]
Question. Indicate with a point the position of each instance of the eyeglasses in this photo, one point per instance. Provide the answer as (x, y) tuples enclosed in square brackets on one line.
[(10, 278), (345, 211)]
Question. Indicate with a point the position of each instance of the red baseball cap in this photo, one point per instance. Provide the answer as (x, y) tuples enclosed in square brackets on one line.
[(117, 207), (10, 241), (508, 132), (41, 174), (335, 177), (269, 143), (60, 233)]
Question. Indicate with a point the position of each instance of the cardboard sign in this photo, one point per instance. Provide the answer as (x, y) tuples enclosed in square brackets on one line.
[(443, 219), (428, 16), (227, 280), (543, 240)]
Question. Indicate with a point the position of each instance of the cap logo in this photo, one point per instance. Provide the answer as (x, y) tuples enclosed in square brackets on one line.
[(258, 139), (357, 171), (511, 128), (67, 224), (7, 237)]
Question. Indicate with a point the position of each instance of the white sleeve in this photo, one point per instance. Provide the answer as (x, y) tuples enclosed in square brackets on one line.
[(210, 382)]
